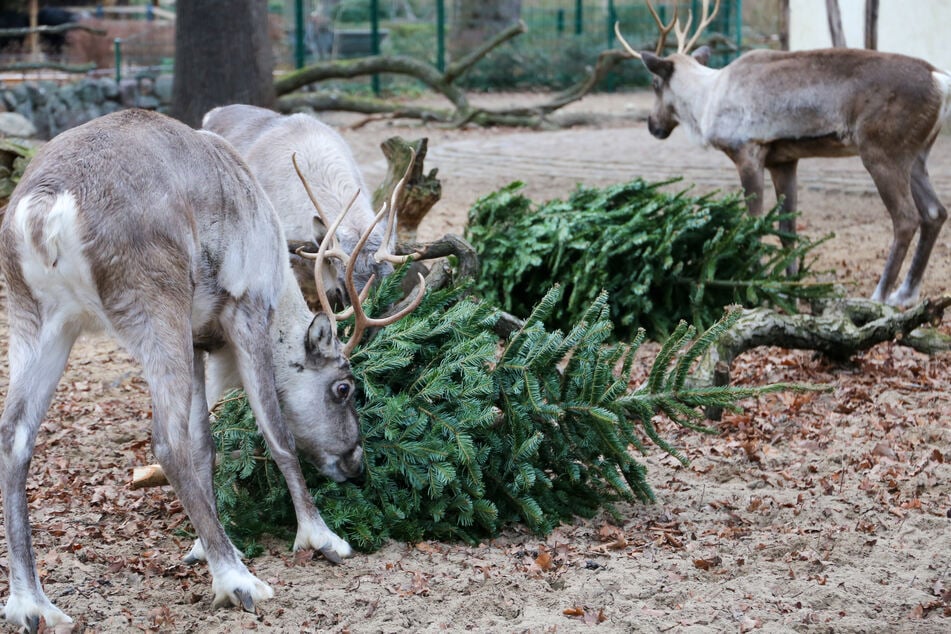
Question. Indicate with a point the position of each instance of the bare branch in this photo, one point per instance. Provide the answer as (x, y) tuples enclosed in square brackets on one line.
[(843, 329), (456, 69)]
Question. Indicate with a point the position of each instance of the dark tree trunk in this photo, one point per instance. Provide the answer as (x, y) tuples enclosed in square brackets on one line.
[(222, 55), (784, 24), (475, 21), (871, 24), (835, 24)]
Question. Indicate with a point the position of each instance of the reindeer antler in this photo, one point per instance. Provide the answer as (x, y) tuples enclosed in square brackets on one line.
[(361, 321), (705, 19), (663, 28), (330, 247), (310, 194), (383, 254), (683, 44)]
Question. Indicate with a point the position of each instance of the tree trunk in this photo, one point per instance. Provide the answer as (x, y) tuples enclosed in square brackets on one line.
[(835, 24), (784, 24), (222, 55), (475, 21), (871, 24), (420, 191)]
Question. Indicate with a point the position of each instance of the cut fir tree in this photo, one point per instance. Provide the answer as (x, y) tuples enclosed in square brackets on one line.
[(464, 434), (662, 257)]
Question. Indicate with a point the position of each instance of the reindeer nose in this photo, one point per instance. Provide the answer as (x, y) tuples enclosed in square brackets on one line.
[(657, 131), (353, 466), (358, 479)]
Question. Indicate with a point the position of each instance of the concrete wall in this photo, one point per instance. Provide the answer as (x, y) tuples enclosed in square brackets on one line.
[(914, 27)]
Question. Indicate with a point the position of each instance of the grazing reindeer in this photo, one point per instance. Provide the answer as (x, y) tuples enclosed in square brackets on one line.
[(768, 109), (269, 142), (160, 234)]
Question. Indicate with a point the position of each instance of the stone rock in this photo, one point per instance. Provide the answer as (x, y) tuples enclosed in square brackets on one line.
[(15, 124), (163, 88)]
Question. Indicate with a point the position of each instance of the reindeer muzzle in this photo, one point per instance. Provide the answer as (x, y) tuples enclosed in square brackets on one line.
[(657, 131)]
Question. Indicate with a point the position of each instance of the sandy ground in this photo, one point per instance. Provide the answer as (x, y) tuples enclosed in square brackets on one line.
[(819, 512)]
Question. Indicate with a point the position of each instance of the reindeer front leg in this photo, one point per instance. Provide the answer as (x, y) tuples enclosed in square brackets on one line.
[(750, 161), (182, 442), (784, 183), (249, 337)]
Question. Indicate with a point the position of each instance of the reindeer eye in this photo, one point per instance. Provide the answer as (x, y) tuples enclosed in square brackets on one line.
[(343, 389)]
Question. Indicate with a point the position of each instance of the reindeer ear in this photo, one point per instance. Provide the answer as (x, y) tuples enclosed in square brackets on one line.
[(322, 338), (658, 65), (703, 54)]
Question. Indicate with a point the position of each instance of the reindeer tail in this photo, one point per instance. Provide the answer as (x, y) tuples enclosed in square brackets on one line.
[(942, 80)]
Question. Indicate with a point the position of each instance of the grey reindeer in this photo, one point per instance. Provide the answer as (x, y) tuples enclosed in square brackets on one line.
[(271, 143), (769, 109), (159, 234)]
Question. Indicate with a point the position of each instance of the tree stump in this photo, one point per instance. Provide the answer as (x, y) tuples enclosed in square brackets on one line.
[(420, 191)]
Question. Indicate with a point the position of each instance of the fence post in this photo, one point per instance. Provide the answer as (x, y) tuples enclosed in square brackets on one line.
[(579, 20), (739, 27), (612, 19), (298, 33), (375, 40), (441, 35), (117, 48)]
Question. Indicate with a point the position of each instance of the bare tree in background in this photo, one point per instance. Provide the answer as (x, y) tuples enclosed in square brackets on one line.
[(476, 21), (871, 24), (222, 55), (784, 24), (835, 24)]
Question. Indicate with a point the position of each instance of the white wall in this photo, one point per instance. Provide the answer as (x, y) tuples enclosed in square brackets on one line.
[(913, 27)]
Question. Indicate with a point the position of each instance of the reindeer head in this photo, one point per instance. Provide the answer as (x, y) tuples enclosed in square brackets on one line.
[(316, 389), (326, 384), (672, 76)]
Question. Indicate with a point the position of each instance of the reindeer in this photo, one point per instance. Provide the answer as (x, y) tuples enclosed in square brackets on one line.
[(768, 109), (270, 142), (137, 224)]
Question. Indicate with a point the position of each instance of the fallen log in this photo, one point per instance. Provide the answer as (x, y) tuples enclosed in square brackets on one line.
[(292, 98), (840, 330)]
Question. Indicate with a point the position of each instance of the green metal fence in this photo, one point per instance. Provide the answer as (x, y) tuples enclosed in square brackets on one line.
[(561, 44)]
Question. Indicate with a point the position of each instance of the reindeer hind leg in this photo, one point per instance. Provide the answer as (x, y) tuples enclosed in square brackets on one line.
[(38, 351), (181, 439), (893, 181), (784, 182), (932, 215)]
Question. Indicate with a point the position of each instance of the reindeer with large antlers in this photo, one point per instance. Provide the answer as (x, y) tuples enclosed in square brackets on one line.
[(137, 224), (330, 182), (768, 109)]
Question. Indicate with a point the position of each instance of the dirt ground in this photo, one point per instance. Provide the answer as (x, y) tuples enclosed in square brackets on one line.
[(814, 513)]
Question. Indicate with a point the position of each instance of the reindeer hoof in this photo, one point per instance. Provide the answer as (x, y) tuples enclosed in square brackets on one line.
[(27, 614), (247, 603), (323, 540), (240, 588), (331, 555)]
